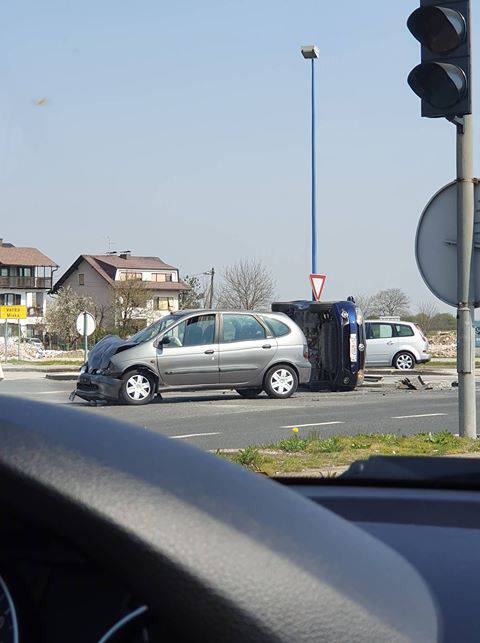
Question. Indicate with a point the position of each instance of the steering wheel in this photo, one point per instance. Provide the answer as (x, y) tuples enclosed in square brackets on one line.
[(223, 554)]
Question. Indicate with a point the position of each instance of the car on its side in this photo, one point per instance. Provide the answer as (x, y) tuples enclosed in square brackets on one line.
[(399, 344), (201, 349)]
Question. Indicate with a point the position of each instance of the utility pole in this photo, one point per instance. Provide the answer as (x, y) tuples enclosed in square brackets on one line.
[(210, 290)]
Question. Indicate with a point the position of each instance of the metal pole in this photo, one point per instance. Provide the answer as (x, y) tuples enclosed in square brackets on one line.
[(85, 337), (6, 331), (314, 179), (465, 283), (19, 333)]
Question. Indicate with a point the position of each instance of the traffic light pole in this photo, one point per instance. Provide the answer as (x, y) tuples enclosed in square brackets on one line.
[(465, 277)]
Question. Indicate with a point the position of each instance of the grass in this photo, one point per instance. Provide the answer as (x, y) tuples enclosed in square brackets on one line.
[(45, 362), (296, 454)]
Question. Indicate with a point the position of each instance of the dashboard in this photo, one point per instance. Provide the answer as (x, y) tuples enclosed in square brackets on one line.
[(436, 530), (50, 592)]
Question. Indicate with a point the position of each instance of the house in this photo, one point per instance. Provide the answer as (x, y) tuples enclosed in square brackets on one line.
[(26, 276), (95, 276)]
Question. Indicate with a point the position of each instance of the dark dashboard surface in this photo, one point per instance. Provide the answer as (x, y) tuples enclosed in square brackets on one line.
[(58, 595), (436, 530)]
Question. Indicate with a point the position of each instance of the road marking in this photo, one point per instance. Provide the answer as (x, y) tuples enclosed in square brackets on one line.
[(191, 435), (300, 426), (423, 415), (48, 392)]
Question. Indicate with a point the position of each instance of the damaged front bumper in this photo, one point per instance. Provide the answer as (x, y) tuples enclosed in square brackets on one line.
[(96, 387)]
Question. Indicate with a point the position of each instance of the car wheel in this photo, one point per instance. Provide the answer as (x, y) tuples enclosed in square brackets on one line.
[(249, 393), (137, 388), (281, 382), (404, 361)]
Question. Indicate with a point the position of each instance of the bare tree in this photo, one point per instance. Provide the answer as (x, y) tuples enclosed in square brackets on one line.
[(427, 311), (246, 284), (129, 296), (365, 303), (62, 312), (391, 302)]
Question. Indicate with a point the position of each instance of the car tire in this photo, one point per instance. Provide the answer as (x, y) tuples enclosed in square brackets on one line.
[(249, 393), (138, 387), (404, 361), (281, 382)]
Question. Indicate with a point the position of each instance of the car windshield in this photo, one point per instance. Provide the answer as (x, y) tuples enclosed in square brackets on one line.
[(162, 164), (154, 329)]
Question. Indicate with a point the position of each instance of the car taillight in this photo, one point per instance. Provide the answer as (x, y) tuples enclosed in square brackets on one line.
[(305, 351)]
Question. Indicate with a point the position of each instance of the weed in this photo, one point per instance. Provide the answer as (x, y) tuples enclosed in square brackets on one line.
[(292, 444), (249, 457)]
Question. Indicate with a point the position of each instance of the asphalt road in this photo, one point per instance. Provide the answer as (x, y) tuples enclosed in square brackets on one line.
[(225, 420)]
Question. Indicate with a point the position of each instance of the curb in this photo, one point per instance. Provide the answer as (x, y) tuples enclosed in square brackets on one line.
[(62, 377), (39, 369)]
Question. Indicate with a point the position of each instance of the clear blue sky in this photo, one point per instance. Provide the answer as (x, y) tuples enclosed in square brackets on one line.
[(180, 129)]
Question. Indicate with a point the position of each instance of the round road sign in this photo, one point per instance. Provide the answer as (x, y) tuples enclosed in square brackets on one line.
[(436, 245), (85, 319)]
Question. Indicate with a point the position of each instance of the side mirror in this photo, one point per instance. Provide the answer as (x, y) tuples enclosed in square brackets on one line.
[(163, 341)]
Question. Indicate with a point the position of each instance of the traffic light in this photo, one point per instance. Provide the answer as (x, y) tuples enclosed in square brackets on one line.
[(443, 78)]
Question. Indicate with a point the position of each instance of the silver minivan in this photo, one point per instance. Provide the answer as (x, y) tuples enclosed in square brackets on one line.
[(203, 349), (395, 343)]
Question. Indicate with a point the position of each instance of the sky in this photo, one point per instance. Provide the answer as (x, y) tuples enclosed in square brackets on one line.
[(181, 130)]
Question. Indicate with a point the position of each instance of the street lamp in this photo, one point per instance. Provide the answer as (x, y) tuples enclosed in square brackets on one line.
[(311, 52)]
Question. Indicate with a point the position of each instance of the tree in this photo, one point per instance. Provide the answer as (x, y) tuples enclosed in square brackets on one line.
[(391, 302), (190, 298), (427, 311), (62, 312), (129, 296), (444, 321), (246, 285), (365, 303)]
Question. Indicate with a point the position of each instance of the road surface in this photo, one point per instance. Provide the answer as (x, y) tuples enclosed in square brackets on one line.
[(224, 420)]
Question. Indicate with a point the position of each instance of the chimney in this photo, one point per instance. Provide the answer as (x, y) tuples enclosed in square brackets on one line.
[(125, 254)]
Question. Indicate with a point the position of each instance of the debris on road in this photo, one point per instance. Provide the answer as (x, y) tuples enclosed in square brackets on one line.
[(420, 385)]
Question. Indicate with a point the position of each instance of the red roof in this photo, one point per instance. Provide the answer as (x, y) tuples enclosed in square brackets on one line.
[(24, 257)]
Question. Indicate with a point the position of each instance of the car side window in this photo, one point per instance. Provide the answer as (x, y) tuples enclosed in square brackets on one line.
[(278, 328), (238, 328), (381, 331), (403, 330), (194, 331)]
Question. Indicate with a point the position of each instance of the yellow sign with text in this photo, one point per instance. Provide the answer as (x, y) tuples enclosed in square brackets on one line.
[(13, 312)]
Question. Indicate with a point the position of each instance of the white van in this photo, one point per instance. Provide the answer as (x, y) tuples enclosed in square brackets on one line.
[(395, 343)]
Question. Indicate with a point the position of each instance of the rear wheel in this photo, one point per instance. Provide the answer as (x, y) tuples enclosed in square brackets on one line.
[(249, 393), (404, 361), (138, 387), (281, 382)]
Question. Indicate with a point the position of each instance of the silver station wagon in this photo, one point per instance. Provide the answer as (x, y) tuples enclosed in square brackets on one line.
[(202, 349)]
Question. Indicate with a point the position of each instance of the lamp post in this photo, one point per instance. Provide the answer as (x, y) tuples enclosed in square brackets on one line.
[(311, 52)]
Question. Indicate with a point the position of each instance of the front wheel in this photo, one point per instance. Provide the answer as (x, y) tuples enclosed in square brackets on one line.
[(281, 382), (137, 388), (249, 393), (404, 361)]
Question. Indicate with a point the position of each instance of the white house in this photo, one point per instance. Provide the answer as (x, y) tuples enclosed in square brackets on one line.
[(94, 275), (25, 279)]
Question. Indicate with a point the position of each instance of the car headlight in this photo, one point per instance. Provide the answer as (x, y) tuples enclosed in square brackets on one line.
[(84, 369)]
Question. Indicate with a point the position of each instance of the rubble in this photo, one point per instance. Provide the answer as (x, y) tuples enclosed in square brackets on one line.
[(31, 352), (443, 344)]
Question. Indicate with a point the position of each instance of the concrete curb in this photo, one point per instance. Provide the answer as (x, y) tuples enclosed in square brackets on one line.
[(40, 369), (62, 377)]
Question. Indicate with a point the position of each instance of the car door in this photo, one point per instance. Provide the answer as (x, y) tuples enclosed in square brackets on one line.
[(380, 343), (245, 349), (188, 354)]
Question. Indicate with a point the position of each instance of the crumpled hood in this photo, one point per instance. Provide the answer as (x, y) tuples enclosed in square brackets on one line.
[(99, 356)]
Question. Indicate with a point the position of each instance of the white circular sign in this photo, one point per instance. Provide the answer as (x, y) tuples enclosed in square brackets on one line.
[(85, 319), (436, 245)]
